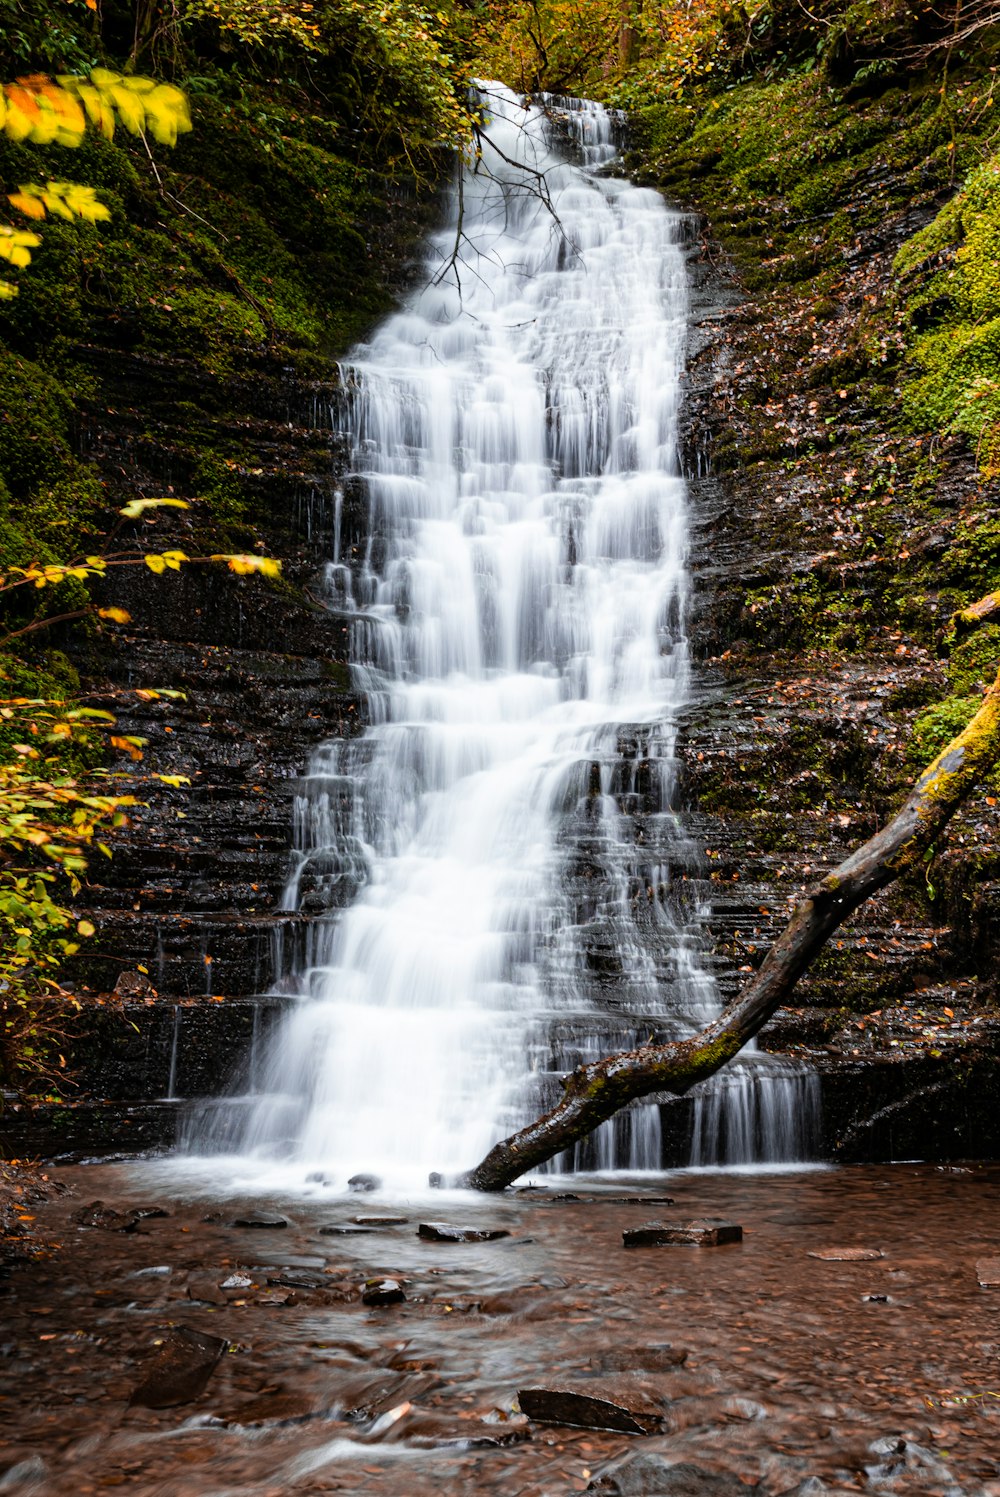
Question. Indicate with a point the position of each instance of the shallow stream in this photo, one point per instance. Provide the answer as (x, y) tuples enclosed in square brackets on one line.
[(869, 1376)]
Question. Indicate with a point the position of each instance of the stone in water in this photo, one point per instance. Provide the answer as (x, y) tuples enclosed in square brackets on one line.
[(589, 1411), (364, 1182), (382, 1292), (708, 1231), (988, 1273), (261, 1223), (180, 1369), (443, 1232), (847, 1254)]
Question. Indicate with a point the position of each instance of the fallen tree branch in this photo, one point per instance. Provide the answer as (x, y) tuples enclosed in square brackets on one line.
[(595, 1092)]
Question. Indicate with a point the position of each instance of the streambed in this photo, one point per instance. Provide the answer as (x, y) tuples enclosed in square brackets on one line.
[(878, 1375)]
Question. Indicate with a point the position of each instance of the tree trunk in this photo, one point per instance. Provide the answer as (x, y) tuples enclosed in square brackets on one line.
[(592, 1093)]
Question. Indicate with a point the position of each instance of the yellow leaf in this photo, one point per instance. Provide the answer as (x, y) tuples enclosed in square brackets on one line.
[(31, 206), (116, 615), (173, 559), (130, 108), (85, 928), (244, 565), (174, 779), (135, 507), (155, 563), (17, 125)]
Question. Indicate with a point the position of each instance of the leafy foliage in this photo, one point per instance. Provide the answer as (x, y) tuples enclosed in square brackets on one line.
[(46, 111)]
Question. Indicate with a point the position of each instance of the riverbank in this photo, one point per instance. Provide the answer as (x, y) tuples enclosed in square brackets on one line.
[(840, 1347)]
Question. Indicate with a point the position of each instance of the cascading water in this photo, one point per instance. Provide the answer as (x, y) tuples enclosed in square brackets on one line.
[(502, 835)]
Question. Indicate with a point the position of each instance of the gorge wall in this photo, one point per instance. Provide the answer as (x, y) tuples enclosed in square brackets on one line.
[(833, 541)]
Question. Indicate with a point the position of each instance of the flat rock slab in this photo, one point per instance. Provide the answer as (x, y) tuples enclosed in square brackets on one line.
[(629, 1415), (988, 1273), (444, 1232), (350, 1229), (708, 1231), (657, 1357), (847, 1254), (382, 1292), (260, 1223), (646, 1475), (379, 1221), (180, 1368)]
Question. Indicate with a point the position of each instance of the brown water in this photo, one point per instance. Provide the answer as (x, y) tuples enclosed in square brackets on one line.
[(792, 1371)]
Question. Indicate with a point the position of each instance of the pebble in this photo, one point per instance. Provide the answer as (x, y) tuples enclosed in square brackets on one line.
[(709, 1231)]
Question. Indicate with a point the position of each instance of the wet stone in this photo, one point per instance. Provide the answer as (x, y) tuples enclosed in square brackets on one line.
[(630, 1414), (237, 1281), (105, 1218), (444, 1232), (653, 1476), (359, 1183), (260, 1223), (180, 1368), (659, 1357), (708, 1231), (382, 1292), (149, 1213), (348, 1229), (847, 1254), (297, 1279), (379, 1221), (203, 1287), (988, 1273)]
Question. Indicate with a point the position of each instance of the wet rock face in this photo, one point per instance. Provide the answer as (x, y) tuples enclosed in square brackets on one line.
[(655, 1476), (179, 1369), (707, 1232), (622, 1408)]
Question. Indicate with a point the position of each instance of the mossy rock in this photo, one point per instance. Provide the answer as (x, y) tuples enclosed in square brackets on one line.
[(974, 665)]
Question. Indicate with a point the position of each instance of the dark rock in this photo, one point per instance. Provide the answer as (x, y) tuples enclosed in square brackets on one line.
[(345, 1230), (709, 1231), (631, 1414), (653, 1476), (211, 1217), (443, 1232), (106, 1218), (260, 1223), (379, 1221), (364, 1182), (659, 1357), (297, 1279), (382, 1292), (180, 1369), (847, 1255), (204, 1288), (638, 1200), (149, 1213), (134, 985)]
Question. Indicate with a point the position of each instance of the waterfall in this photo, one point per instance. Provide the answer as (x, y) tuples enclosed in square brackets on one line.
[(497, 863)]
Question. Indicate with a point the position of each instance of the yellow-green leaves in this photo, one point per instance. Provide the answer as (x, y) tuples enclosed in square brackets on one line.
[(47, 110), (164, 561), (136, 507), (56, 111), (63, 199), (15, 247)]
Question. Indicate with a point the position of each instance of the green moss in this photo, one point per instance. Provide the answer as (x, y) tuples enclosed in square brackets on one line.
[(935, 728), (973, 665)]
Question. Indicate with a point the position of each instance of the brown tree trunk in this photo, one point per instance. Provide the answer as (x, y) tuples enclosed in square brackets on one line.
[(592, 1093)]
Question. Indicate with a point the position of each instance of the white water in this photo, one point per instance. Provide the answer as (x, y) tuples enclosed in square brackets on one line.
[(519, 606)]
